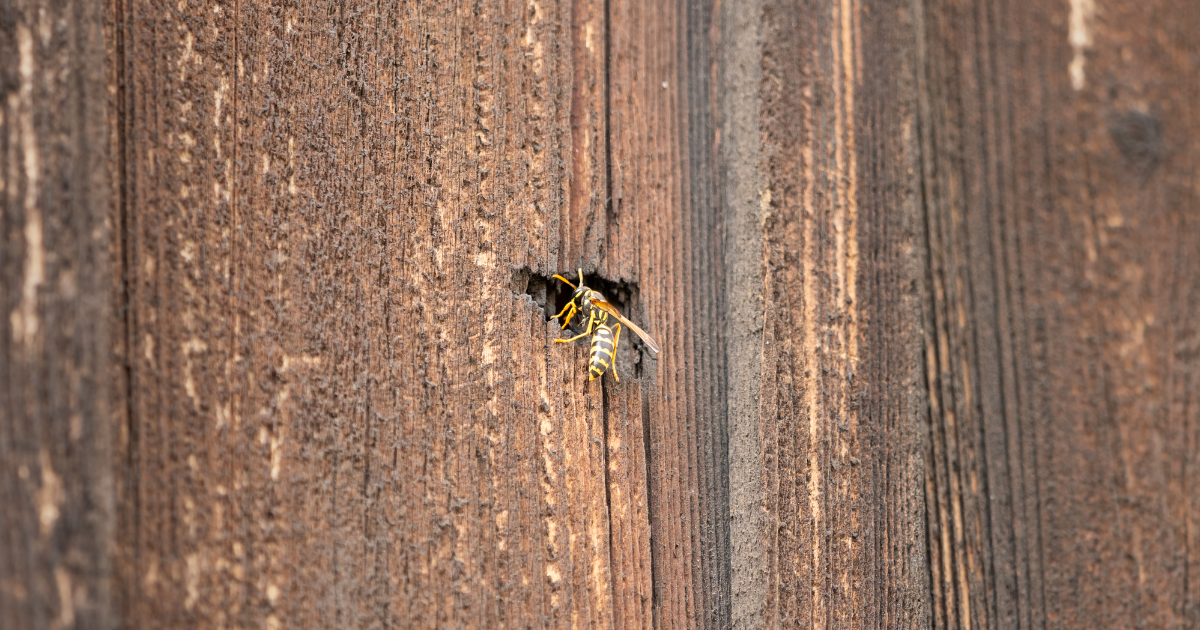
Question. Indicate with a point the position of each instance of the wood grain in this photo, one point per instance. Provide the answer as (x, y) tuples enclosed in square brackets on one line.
[(660, 234), (922, 273), (1059, 161), (56, 277), (342, 410), (343, 414), (826, 430)]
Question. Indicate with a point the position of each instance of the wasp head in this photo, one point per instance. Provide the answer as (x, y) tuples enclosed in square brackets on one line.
[(581, 295)]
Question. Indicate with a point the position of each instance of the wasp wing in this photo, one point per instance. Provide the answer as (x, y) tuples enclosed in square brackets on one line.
[(612, 310)]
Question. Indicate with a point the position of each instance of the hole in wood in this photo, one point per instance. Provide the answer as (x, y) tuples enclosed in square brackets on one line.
[(551, 295)]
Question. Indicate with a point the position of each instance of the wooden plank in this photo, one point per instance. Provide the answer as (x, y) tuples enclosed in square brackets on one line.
[(343, 411), (324, 209), (740, 79), (336, 396), (661, 233), (824, 344), (1059, 170), (585, 222), (705, 214), (645, 237), (645, 217), (56, 276), (632, 572)]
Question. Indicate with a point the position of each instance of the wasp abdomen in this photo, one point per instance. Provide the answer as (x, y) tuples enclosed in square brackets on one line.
[(603, 348)]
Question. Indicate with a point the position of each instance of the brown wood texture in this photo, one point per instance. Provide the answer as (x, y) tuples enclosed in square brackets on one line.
[(277, 350), (343, 409), (826, 463), (1059, 161), (661, 140), (56, 494)]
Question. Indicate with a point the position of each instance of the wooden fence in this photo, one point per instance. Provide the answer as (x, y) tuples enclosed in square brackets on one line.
[(277, 348)]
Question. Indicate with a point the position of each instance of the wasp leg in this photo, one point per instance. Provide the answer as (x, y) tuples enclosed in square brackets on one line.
[(564, 310), (616, 342), (571, 306), (591, 323), (571, 315)]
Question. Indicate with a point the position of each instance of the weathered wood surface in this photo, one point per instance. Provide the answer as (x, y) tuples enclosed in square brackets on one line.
[(663, 232), (343, 411), (923, 275), (56, 495), (1060, 155), (825, 261), (343, 408)]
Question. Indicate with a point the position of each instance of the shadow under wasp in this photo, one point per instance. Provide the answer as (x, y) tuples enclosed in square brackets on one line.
[(591, 304)]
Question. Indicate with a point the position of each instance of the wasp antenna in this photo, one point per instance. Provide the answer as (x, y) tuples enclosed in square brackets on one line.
[(564, 280), (580, 276)]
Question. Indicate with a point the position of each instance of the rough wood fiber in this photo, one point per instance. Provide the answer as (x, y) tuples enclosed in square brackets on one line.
[(660, 231), (583, 244), (1060, 155), (662, 138), (826, 471), (342, 410), (827, 477), (56, 511), (335, 406), (740, 72), (699, 48)]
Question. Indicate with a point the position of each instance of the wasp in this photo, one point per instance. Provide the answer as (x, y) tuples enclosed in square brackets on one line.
[(590, 304)]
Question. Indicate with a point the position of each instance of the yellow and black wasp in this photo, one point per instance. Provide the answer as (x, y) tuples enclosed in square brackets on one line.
[(591, 304)]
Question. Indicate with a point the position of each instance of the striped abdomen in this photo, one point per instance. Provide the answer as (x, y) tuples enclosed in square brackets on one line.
[(603, 350)]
